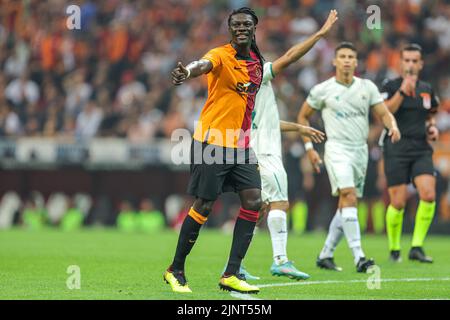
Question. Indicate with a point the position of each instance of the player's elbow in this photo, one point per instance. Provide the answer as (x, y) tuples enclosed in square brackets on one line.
[(391, 106), (283, 62), (289, 58), (301, 118)]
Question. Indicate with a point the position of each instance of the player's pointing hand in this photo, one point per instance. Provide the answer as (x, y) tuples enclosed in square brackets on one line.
[(179, 74)]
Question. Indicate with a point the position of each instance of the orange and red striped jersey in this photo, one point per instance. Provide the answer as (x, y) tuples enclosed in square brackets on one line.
[(233, 82)]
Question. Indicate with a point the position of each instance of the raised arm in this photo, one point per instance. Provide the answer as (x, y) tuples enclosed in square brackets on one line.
[(299, 50), (313, 134), (394, 103), (407, 88), (388, 120), (181, 73)]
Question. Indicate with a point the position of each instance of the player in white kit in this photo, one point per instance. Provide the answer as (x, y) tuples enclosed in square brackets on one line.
[(345, 102), (266, 142)]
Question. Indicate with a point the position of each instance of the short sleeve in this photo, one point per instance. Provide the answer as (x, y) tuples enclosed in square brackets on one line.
[(434, 100), (267, 72), (316, 98), (375, 95), (214, 56), (386, 89)]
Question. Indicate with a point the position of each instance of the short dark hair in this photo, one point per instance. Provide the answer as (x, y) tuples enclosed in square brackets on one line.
[(413, 47), (345, 45)]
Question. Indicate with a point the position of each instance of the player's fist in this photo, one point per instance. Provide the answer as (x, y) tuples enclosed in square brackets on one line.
[(432, 133), (315, 135), (315, 160), (395, 135), (179, 74), (408, 85), (405, 86)]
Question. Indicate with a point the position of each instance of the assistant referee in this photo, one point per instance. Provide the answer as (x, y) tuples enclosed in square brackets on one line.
[(414, 105)]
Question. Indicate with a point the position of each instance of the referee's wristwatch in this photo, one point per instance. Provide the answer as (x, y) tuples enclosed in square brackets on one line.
[(402, 93)]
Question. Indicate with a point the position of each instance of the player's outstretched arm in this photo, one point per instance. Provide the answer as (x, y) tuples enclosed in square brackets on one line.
[(315, 135), (299, 50), (181, 73), (388, 120), (303, 119)]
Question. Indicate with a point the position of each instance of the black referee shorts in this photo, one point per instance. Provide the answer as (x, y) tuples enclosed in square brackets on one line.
[(215, 170), (407, 159)]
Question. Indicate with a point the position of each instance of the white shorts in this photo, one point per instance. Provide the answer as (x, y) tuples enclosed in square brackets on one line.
[(274, 185), (346, 166)]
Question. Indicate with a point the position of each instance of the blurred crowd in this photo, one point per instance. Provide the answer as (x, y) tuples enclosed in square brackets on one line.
[(71, 212), (111, 78)]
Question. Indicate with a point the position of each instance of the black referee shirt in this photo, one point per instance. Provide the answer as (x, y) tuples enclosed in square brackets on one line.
[(412, 114)]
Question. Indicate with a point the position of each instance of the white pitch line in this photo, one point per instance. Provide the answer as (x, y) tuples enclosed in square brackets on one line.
[(243, 296), (304, 283)]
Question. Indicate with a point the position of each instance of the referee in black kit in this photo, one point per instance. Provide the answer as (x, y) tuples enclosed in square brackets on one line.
[(414, 105)]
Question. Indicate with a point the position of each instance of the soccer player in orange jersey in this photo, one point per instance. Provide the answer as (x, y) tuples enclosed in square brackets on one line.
[(221, 159)]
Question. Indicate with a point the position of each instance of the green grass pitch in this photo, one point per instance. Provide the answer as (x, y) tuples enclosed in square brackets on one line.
[(115, 265)]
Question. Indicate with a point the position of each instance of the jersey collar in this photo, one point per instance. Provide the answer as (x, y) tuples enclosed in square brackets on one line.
[(343, 84)]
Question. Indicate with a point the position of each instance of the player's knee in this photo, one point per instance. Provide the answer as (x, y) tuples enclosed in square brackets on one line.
[(398, 197), (280, 205), (203, 207), (285, 206), (428, 195), (253, 204), (398, 203), (349, 198)]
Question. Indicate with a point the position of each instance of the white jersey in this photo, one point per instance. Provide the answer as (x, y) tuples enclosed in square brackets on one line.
[(266, 134), (345, 109)]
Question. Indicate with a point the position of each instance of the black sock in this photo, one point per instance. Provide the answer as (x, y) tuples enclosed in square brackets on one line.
[(186, 240), (242, 236)]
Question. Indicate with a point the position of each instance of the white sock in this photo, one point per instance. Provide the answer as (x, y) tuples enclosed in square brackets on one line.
[(335, 234), (350, 225), (276, 221)]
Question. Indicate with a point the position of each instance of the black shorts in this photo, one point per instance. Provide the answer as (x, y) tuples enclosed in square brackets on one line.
[(407, 159), (237, 171)]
